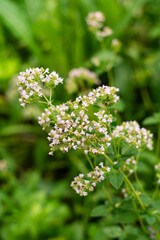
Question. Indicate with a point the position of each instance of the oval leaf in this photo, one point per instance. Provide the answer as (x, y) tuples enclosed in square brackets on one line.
[(99, 211), (116, 179), (112, 231)]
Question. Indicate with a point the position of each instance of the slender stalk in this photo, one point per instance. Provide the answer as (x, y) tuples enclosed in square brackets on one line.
[(136, 176), (158, 144), (46, 99), (108, 159), (125, 149), (146, 98), (129, 183), (156, 233), (50, 95), (107, 195), (138, 182), (136, 210), (110, 78), (113, 141), (104, 190), (134, 191), (42, 102), (90, 162), (139, 217), (156, 191)]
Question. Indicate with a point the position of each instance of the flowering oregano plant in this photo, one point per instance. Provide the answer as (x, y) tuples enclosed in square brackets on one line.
[(80, 79), (89, 124)]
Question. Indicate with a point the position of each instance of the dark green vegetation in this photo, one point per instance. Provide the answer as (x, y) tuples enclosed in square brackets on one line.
[(36, 201)]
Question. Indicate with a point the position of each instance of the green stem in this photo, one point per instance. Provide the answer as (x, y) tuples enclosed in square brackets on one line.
[(136, 210), (50, 95), (156, 191), (42, 102), (138, 182), (129, 183), (156, 233), (139, 217), (158, 144), (108, 159), (134, 191), (90, 162), (110, 78), (146, 99), (108, 195), (125, 149), (46, 99), (136, 176), (113, 141)]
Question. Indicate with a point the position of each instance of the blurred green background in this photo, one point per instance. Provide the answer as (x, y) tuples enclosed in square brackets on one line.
[(36, 200)]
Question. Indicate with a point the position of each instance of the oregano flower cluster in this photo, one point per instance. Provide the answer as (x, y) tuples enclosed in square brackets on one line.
[(129, 165), (134, 135), (79, 79), (72, 125), (82, 186), (73, 128), (32, 81), (95, 22)]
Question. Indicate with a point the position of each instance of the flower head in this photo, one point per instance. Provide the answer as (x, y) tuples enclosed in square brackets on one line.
[(134, 135), (71, 126), (32, 81), (80, 77), (83, 186), (95, 20)]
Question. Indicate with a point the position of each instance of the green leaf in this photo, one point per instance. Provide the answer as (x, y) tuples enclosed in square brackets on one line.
[(150, 219), (126, 217), (132, 230), (99, 235), (116, 166), (17, 129), (156, 205), (129, 151), (129, 15), (99, 211), (16, 20), (33, 8), (116, 179), (120, 106), (155, 119), (145, 199), (112, 231)]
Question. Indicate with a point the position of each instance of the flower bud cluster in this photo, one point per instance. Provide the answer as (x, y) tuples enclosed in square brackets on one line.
[(31, 84), (129, 165), (116, 45), (83, 186), (105, 32), (124, 192), (157, 168), (73, 128), (95, 61), (95, 22), (3, 165), (45, 119), (134, 135), (80, 78)]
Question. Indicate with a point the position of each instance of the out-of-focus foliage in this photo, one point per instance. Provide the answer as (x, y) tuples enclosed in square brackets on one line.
[(36, 201)]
